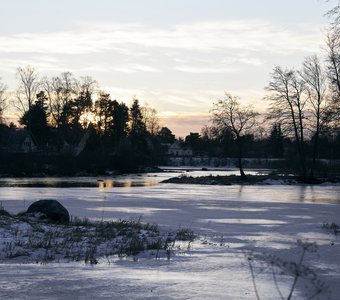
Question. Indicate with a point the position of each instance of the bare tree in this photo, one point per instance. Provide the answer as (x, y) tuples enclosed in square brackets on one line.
[(81, 106), (60, 91), (333, 60), (86, 85), (227, 113), (150, 118), (334, 14), (3, 100), (315, 79), (333, 68), (28, 88), (69, 99), (288, 106)]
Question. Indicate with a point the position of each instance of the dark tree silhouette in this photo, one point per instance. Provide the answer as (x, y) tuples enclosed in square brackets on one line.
[(315, 80), (60, 91), (275, 141), (165, 136), (194, 141), (28, 88), (288, 107), (119, 126), (137, 125), (77, 107), (333, 66), (36, 118), (229, 114), (3, 100), (103, 109), (150, 118)]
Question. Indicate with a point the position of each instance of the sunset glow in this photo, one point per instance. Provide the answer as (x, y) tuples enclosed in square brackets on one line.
[(179, 56)]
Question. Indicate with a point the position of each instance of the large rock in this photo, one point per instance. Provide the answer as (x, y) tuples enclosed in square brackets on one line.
[(4, 212), (52, 209)]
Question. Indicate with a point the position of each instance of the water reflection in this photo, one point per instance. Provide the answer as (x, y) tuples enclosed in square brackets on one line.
[(81, 182), (127, 180), (127, 183), (101, 184), (306, 192), (108, 183)]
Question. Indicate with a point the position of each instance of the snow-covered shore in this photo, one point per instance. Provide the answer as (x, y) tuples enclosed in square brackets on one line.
[(230, 221)]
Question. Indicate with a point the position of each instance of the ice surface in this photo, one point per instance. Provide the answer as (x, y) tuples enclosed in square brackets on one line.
[(229, 219)]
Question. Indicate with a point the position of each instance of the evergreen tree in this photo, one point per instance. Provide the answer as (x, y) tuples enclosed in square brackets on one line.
[(136, 119), (35, 119), (120, 119), (165, 136), (275, 142), (104, 110)]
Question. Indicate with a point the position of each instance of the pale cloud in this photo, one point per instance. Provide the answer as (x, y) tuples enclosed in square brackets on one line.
[(200, 70), (254, 35), (243, 58), (210, 47), (46, 63), (133, 68)]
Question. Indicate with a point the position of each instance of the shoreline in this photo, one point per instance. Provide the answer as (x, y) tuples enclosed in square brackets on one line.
[(251, 180)]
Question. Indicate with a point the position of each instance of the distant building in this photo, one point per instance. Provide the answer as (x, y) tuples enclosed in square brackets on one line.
[(28, 144), (176, 149), (19, 141)]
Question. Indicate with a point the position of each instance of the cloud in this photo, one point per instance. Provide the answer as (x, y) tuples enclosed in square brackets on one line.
[(210, 47), (42, 62), (133, 68), (200, 70), (253, 35)]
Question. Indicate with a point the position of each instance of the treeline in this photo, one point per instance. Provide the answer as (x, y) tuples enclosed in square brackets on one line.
[(82, 127), (75, 126), (71, 117), (304, 108)]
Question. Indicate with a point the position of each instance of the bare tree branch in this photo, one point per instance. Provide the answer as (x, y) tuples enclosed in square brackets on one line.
[(227, 113), (3, 99)]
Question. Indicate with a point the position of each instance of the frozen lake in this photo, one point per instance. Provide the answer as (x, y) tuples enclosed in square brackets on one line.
[(232, 219), (128, 180)]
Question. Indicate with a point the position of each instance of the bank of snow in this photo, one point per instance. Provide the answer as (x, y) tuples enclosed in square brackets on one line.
[(233, 223), (28, 239), (249, 180)]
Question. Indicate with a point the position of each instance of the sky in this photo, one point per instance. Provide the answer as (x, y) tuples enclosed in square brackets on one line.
[(178, 56)]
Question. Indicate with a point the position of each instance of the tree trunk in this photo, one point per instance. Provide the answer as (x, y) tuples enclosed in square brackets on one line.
[(240, 155), (302, 160), (298, 141), (316, 146), (302, 146)]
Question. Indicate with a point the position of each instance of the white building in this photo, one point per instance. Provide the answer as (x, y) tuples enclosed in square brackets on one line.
[(176, 149)]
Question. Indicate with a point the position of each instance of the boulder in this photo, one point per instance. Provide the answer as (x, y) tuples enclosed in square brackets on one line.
[(52, 209), (4, 213)]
